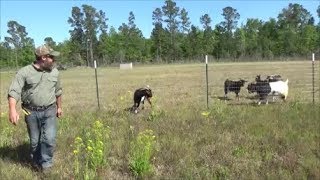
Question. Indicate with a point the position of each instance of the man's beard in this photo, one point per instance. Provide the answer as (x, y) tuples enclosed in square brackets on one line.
[(47, 66)]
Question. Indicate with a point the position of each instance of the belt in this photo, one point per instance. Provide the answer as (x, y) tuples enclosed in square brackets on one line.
[(36, 108)]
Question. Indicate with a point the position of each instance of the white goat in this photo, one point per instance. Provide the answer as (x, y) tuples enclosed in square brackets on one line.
[(279, 88)]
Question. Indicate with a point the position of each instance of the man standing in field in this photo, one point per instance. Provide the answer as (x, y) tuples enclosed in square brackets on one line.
[(38, 86)]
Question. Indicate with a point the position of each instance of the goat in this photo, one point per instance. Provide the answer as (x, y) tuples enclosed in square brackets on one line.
[(139, 96), (261, 88), (280, 87), (258, 78), (264, 88), (270, 78), (274, 78), (233, 86)]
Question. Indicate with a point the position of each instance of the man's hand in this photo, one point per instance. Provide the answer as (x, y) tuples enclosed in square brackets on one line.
[(59, 109), (13, 116), (59, 112)]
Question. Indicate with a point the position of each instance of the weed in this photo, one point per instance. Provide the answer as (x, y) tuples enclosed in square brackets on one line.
[(141, 153), (218, 111), (89, 152), (222, 172), (238, 151), (6, 134), (156, 112)]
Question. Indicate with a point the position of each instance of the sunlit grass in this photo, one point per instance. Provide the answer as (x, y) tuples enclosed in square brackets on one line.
[(229, 140)]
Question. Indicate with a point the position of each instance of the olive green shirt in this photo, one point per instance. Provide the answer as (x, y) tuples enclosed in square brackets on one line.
[(36, 87)]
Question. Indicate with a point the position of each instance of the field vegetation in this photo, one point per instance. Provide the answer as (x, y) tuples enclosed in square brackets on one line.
[(179, 137)]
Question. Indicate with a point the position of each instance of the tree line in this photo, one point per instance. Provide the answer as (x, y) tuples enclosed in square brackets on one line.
[(293, 34)]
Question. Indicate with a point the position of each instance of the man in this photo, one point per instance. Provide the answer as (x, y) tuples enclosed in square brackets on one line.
[(38, 86)]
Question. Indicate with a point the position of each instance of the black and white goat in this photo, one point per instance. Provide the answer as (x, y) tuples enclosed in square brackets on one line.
[(264, 88), (139, 96), (233, 86)]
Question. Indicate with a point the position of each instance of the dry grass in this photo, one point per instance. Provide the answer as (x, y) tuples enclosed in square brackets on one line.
[(236, 140)]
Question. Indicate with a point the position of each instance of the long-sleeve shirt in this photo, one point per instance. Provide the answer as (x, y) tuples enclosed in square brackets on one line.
[(36, 87)]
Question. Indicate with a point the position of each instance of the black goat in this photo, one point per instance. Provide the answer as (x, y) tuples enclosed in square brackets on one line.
[(262, 88), (233, 86), (139, 96)]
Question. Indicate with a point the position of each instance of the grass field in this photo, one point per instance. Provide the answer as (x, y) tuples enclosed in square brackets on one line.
[(229, 140)]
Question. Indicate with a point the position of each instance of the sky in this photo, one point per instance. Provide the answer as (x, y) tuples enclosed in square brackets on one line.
[(49, 18)]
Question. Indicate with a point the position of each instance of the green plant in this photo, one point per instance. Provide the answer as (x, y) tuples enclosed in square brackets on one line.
[(219, 111), (222, 172), (78, 146), (125, 99), (141, 153), (6, 131), (90, 151), (238, 151), (156, 112)]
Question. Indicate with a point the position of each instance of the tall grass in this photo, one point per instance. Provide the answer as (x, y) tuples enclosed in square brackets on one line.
[(229, 140)]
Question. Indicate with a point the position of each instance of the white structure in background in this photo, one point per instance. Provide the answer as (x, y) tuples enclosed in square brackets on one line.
[(126, 66)]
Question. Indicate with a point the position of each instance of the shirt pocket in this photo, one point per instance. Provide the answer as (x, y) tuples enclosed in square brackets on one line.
[(32, 81), (52, 80)]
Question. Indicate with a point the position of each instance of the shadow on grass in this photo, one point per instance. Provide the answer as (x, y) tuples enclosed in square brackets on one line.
[(253, 103), (234, 102), (129, 109), (18, 154), (223, 98), (256, 97)]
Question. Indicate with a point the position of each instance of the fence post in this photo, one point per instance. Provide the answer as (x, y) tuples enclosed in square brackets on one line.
[(207, 81), (97, 88), (313, 78)]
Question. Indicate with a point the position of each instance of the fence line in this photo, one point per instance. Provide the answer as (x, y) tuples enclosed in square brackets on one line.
[(208, 83)]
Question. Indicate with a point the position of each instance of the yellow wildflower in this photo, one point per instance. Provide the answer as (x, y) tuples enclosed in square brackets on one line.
[(75, 152), (89, 148), (100, 143), (98, 124), (205, 113), (78, 139)]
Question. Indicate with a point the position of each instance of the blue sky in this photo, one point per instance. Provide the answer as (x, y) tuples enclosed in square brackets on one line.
[(49, 18)]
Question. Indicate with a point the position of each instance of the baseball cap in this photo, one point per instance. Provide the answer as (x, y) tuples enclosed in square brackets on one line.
[(46, 50)]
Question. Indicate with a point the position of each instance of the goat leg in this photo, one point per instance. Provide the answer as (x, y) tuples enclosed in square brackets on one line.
[(135, 107), (149, 101)]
